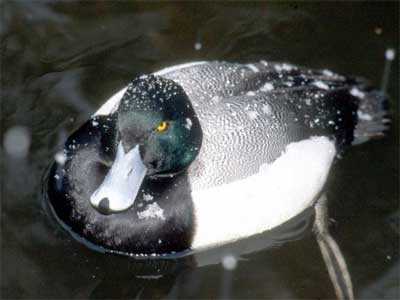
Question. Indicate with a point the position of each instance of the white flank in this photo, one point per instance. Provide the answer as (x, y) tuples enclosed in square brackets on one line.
[(122, 182), (280, 191), (111, 105)]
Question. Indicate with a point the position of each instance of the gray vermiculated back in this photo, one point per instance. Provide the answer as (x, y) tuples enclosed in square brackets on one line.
[(250, 113)]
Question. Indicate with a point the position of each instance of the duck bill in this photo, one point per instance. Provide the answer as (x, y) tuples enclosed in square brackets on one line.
[(121, 185)]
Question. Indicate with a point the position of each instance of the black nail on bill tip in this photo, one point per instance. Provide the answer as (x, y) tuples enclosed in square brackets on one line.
[(104, 206)]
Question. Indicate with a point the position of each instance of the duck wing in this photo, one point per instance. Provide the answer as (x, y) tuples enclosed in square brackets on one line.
[(250, 113)]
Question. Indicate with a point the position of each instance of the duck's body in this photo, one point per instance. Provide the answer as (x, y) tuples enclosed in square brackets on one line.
[(263, 138)]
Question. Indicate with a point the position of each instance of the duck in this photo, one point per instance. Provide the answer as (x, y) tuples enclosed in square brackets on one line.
[(207, 153)]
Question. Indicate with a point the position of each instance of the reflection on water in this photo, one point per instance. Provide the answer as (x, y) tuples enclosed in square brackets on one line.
[(60, 61)]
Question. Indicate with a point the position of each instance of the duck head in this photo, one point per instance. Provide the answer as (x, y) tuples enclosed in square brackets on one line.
[(159, 135)]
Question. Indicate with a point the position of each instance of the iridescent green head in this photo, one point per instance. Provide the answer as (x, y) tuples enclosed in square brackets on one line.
[(156, 115)]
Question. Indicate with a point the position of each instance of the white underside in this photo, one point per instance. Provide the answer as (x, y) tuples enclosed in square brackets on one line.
[(279, 192), (111, 105)]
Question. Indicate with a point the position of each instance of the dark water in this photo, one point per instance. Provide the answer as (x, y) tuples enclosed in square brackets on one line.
[(60, 61)]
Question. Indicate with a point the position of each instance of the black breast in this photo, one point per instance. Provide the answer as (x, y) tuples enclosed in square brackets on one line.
[(159, 222)]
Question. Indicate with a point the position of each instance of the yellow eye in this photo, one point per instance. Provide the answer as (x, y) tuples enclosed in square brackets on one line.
[(162, 127)]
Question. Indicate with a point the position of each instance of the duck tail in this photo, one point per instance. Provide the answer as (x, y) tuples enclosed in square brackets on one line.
[(372, 114)]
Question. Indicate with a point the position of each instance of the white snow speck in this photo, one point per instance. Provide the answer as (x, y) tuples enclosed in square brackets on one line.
[(267, 87), (17, 141), (321, 85), (357, 93), (197, 46), (253, 68), (56, 177), (152, 211), (147, 197), (60, 158), (287, 67), (95, 123), (252, 115), (266, 108), (364, 116), (229, 262), (390, 54), (308, 101), (327, 73), (250, 93), (188, 124), (216, 98), (378, 30), (159, 241)]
